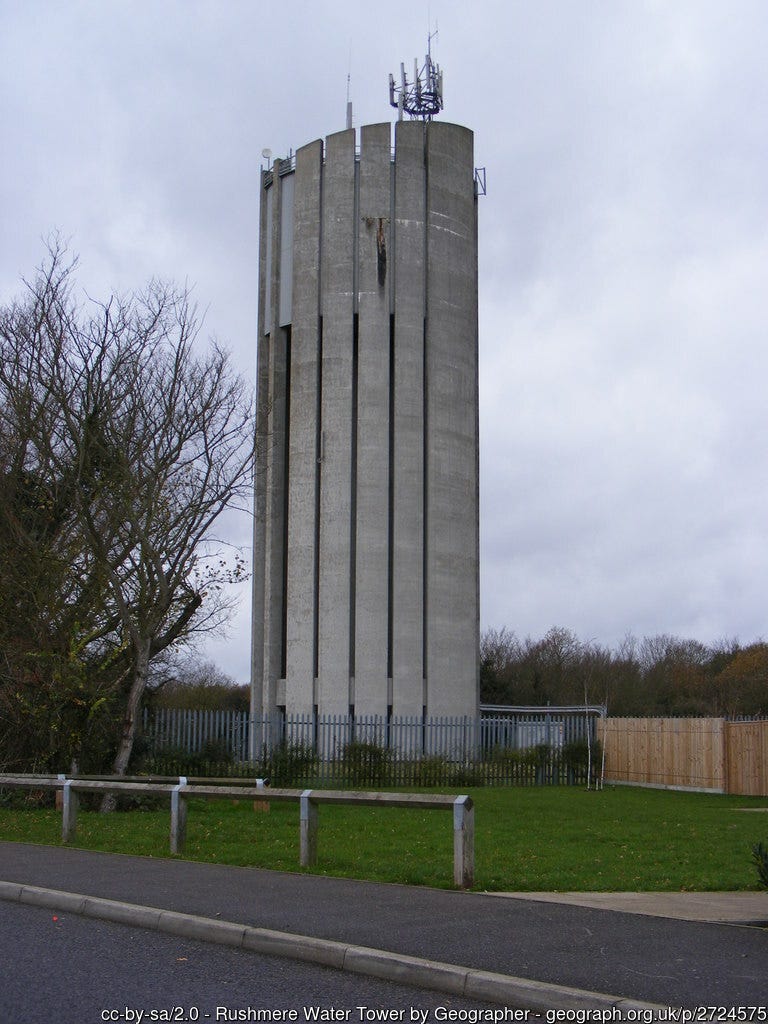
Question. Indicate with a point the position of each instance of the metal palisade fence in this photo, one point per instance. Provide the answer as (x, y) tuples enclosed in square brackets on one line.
[(501, 745)]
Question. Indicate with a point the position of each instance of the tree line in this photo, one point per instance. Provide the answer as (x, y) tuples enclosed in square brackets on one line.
[(659, 675), (122, 440), (193, 684)]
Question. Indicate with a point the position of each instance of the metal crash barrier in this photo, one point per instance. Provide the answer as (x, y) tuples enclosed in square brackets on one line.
[(181, 789)]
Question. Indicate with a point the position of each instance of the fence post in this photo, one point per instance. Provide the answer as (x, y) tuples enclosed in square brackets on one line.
[(463, 842), (308, 830), (68, 812), (178, 817)]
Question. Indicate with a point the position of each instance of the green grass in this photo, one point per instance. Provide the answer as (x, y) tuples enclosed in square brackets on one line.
[(527, 839)]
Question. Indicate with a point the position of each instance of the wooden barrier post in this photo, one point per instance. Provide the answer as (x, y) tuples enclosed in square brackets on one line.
[(69, 804), (463, 842), (308, 830), (58, 798), (178, 817), (261, 805)]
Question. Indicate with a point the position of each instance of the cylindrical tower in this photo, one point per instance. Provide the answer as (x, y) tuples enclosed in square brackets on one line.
[(366, 527)]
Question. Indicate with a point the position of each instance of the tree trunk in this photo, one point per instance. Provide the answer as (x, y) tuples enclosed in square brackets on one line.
[(130, 721)]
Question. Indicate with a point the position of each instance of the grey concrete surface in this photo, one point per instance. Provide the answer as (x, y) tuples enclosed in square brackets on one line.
[(372, 408), (337, 259), (451, 424), (545, 948), (376, 525), (408, 524), (303, 479), (748, 908)]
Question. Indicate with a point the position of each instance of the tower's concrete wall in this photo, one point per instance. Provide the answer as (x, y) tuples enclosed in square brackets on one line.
[(372, 613), (366, 534), (451, 420), (304, 439), (337, 306), (409, 507)]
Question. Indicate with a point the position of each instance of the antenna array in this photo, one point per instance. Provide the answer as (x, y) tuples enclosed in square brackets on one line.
[(423, 96)]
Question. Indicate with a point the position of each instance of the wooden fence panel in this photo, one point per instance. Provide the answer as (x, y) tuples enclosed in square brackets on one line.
[(672, 752), (747, 758)]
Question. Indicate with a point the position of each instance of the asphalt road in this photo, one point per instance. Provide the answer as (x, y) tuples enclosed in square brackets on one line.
[(65, 969), (659, 960)]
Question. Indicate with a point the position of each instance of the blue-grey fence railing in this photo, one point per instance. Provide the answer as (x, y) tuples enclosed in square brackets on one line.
[(406, 737)]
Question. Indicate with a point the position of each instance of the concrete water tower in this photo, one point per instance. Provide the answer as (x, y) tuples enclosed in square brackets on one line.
[(366, 528)]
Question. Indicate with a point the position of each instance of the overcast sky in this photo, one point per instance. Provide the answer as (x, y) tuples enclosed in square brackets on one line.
[(623, 253)]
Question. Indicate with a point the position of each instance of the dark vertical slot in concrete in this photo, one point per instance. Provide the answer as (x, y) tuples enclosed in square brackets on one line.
[(425, 435), (425, 508), (353, 495), (286, 477), (391, 504), (318, 485)]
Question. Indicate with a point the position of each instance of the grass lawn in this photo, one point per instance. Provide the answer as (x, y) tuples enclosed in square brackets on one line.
[(528, 839)]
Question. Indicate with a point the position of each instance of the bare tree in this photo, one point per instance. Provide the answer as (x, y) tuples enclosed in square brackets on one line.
[(499, 657), (151, 443), (199, 685)]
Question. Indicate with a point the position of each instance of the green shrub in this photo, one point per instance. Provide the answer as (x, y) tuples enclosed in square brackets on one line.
[(507, 756), (429, 771), (216, 752), (290, 762), (26, 799), (542, 754), (366, 763), (575, 755), (576, 758), (214, 758), (760, 860), (513, 765), (130, 802), (467, 774)]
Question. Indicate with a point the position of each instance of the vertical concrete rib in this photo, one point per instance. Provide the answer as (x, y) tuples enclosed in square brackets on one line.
[(272, 440), (408, 378), (452, 440), (337, 307), (260, 496), (372, 549), (274, 574), (303, 455)]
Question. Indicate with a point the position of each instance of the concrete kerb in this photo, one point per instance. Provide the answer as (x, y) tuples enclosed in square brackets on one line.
[(326, 952), (189, 926), (452, 979)]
